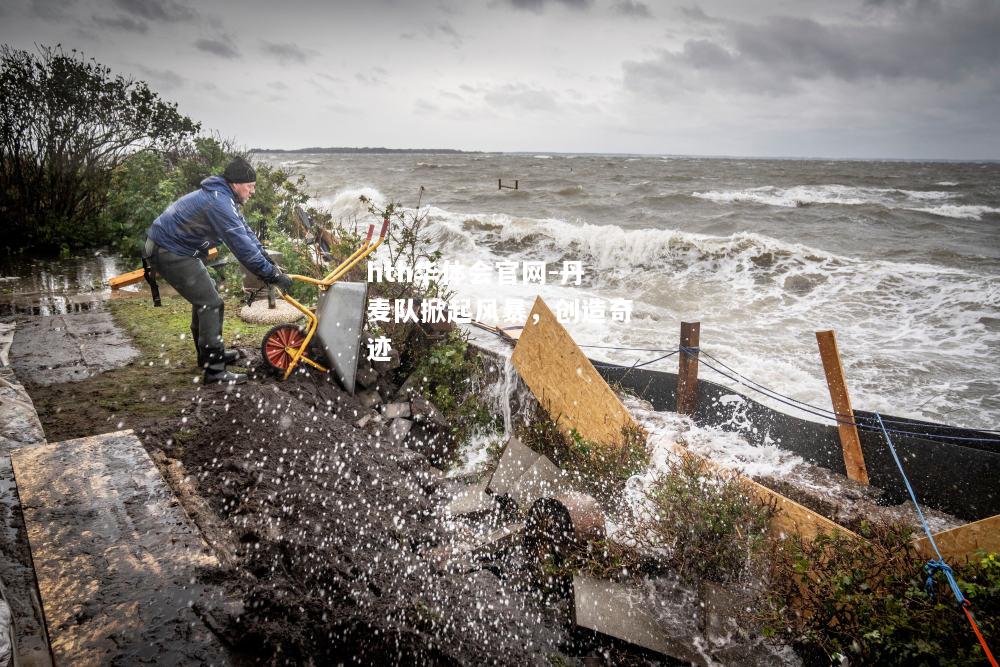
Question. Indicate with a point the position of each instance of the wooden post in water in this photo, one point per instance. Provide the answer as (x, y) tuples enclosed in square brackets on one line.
[(854, 458), (687, 369)]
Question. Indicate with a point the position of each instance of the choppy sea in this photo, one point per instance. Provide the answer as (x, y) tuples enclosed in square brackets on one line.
[(901, 259)]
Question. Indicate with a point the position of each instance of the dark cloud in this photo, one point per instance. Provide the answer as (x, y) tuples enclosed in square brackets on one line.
[(288, 53), (168, 11), (224, 48), (779, 54), (539, 5), (52, 10), (163, 79), (122, 23), (278, 85), (633, 8)]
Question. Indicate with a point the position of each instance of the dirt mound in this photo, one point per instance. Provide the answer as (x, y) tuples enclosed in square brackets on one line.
[(334, 527)]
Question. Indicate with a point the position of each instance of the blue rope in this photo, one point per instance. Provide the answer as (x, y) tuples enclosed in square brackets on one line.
[(933, 566)]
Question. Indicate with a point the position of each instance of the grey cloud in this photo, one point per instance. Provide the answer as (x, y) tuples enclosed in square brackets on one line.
[(53, 10), (633, 8), (442, 31), (539, 5), (122, 23), (223, 48), (780, 54), (521, 96), (278, 85), (288, 53), (374, 77), (168, 11), (165, 79)]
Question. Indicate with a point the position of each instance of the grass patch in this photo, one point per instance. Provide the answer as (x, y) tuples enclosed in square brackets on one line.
[(153, 387)]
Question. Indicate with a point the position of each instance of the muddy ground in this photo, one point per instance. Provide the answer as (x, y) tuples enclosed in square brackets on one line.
[(332, 530)]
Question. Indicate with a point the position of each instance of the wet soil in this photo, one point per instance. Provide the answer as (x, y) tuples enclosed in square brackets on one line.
[(333, 530)]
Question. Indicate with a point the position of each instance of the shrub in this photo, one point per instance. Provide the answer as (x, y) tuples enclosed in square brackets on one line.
[(837, 596)]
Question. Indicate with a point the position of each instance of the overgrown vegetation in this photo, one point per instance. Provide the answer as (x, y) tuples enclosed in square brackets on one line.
[(600, 469), (706, 524), (66, 124), (837, 596)]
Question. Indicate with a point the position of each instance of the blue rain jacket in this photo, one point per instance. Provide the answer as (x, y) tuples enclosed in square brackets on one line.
[(203, 219)]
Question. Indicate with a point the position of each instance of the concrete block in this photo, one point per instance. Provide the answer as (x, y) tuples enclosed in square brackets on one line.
[(399, 428), (514, 462), (397, 409), (472, 500), (367, 377), (423, 410), (542, 480), (369, 398)]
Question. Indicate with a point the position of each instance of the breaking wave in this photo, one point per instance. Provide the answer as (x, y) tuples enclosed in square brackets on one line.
[(804, 195)]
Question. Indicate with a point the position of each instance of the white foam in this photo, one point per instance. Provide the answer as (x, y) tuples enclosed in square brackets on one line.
[(803, 195), (956, 211)]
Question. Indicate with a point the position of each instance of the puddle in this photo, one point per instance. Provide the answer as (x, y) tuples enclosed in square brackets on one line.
[(57, 286)]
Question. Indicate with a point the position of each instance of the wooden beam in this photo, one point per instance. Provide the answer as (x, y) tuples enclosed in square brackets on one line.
[(854, 458), (687, 371), (565, 382), (960, 544), (137, 276)]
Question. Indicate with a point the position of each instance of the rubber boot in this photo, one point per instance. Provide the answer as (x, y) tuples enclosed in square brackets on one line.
[(228, 357)]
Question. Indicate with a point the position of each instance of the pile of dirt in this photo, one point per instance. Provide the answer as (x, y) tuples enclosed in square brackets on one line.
[(333, 529)]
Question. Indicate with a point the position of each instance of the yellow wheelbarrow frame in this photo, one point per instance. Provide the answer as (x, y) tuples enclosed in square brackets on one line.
[(298, 354)]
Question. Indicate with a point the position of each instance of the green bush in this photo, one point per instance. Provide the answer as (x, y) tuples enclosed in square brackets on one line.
[(866, 600)]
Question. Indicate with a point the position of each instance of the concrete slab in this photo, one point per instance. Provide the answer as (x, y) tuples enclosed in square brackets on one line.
[(473, 500), (514, 462), (19, 423), (622, 612), (542, 480), (118, 562), (69, 348)]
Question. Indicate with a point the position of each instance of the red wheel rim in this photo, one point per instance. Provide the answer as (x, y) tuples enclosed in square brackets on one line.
[(276, 344)]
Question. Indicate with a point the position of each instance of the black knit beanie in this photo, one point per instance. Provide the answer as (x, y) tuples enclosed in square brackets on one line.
[(239, 171)]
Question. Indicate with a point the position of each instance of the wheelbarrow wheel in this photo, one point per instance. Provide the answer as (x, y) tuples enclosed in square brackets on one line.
[(274, 349)]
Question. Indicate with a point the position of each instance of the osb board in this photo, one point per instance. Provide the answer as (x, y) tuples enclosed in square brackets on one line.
[(960, 544), (120, 568), (565, 382)]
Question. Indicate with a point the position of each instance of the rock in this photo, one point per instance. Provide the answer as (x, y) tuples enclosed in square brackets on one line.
[(394, 410), (386, 388), (413, 386), (387, 366), (408, 459), (367, 377), (399, 428), (423, 410), (370, 417), (368, 398)]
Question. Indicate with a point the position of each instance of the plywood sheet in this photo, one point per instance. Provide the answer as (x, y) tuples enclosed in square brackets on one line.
[(119, 566), (960, 544), (565, 382)]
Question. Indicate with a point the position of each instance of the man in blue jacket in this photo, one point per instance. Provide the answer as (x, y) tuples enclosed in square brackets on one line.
[(178, 241)]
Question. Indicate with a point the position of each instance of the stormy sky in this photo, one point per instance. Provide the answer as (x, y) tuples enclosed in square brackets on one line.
[(852, 78)]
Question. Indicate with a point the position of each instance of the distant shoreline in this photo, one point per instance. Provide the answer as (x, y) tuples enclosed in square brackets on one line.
[(366, 149), (348, 150)]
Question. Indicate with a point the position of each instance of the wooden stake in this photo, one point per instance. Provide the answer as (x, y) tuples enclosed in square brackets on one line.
[(854, 458), (687, 370)]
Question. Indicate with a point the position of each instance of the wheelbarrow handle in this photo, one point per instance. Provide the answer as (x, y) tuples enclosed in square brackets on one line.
[(385, 227), (371, 230)]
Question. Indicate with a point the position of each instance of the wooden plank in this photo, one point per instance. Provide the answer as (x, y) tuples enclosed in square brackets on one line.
[(565, 382), (958, 545), (126, 279), (137, 276), (854, 458), (687, 369), (119, 565)]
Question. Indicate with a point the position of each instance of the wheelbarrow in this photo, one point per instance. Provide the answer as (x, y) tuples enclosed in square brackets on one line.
[(334, 327)]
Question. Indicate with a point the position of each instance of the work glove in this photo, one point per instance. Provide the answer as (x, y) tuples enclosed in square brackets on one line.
[(281, 280)]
